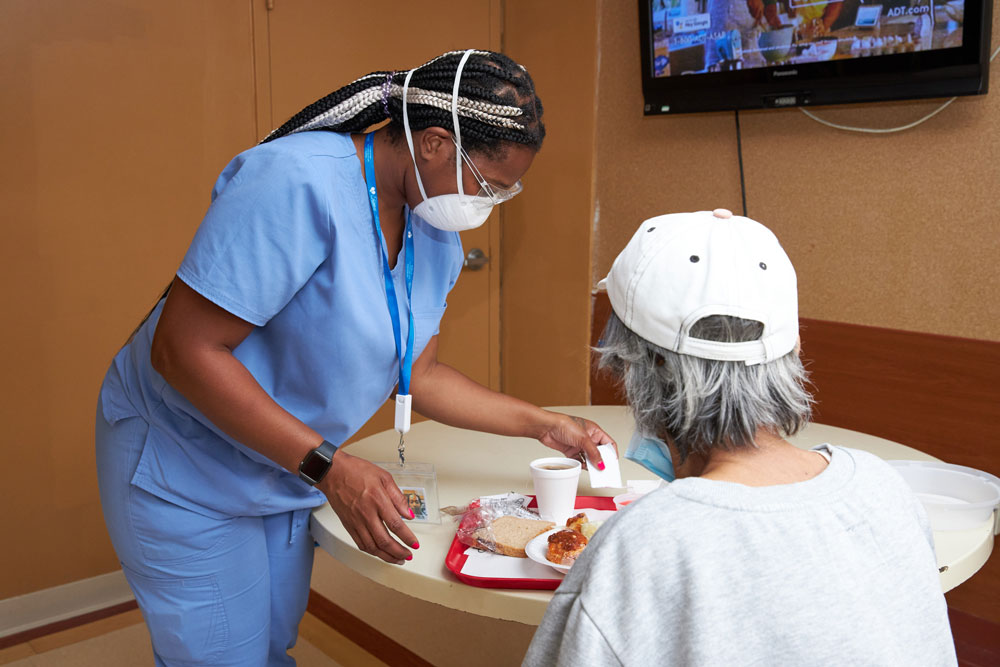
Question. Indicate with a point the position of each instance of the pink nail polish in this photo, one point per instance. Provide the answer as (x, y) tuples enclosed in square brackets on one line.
[(412, 515), (409, 558), (416, 545), (600, 465)]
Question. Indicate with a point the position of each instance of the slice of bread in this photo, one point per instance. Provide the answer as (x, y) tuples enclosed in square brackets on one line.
[(508, 535)]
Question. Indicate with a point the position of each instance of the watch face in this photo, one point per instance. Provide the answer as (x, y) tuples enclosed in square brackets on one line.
[(314, 466)]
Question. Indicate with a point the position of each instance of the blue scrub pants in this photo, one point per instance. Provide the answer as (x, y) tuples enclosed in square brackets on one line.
[(212, 591)]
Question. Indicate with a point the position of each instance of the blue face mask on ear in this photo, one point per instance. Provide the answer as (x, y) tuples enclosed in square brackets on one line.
[(652, 454)]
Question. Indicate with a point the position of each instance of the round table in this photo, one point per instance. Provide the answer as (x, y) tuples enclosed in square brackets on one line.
[(470, 464)]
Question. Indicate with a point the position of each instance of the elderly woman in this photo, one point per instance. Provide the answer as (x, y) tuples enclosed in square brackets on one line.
[(760, 552)]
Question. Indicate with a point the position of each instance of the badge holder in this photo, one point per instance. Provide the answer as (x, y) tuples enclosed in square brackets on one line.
[(417, 481)]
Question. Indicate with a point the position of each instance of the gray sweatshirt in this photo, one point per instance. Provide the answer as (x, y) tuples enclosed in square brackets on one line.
[(836, 570)]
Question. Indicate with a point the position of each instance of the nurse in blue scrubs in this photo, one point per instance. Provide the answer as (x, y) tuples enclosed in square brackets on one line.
[(311, 293)]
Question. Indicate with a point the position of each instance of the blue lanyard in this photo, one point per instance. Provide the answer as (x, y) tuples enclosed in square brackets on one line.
[(405, 361)]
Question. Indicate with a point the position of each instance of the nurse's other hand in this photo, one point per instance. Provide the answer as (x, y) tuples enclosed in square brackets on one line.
[(369, 504), (573, 435)]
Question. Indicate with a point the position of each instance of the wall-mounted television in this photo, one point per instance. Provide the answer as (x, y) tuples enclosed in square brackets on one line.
[(714, 55)]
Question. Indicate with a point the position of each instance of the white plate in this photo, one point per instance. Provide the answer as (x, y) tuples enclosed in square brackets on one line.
[(539, 546)]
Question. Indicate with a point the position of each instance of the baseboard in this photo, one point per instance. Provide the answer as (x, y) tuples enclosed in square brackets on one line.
[(370, 639), (51, 605), (976, 639)]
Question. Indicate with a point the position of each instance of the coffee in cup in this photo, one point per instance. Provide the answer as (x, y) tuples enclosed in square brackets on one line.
[(555, 479)]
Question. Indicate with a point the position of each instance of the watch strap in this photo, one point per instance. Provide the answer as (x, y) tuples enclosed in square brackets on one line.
[(315, 464)]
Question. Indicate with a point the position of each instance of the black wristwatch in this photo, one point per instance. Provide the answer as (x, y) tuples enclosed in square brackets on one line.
[(316, 464)]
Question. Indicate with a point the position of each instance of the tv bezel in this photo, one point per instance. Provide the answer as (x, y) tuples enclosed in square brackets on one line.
[(960, 70)]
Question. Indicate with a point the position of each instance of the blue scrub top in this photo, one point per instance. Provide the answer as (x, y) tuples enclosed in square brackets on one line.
[(288, 246)]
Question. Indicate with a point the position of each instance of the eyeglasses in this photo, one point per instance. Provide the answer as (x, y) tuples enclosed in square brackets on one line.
[(494, 194)]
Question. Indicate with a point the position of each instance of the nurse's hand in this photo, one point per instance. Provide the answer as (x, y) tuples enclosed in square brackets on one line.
[(575, 435), (369, 504)]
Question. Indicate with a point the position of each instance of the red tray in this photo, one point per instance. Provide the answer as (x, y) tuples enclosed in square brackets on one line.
[(456, 555)]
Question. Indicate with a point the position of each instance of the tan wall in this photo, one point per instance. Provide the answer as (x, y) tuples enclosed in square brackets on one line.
[(895, 231), (546, 230), (115, 118)]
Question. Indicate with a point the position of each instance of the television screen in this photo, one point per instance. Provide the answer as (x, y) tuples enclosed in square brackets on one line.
[(731, 54)]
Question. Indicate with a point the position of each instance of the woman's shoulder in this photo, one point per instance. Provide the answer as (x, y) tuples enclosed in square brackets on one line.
[(648, 531), (317, 160), (876, 478), (869, 468), (318, 152), (314, 143), (640, 523)]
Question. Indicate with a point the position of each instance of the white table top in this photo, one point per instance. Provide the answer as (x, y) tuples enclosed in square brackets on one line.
[(470, 464)]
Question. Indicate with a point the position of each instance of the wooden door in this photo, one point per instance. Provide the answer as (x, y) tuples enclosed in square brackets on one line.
[(315, 46)]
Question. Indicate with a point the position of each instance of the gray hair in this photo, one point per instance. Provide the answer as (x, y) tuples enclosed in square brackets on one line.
[(702, 404)]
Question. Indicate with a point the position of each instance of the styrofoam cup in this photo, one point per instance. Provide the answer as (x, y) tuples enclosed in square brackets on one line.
[(555, 479)]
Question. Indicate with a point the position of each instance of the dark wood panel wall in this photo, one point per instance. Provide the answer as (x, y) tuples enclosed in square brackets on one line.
[(938, 394)]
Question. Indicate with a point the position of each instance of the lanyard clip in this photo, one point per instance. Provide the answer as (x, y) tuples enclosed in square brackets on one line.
[(404, 403)]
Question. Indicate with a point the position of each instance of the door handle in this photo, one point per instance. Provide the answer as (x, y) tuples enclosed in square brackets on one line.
[(475, 260)]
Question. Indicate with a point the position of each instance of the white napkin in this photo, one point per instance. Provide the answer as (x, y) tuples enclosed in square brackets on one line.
[(611, 476), (644, 486), (485, 564)]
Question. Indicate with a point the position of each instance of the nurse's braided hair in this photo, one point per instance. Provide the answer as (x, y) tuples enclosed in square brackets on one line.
[(497, 103)]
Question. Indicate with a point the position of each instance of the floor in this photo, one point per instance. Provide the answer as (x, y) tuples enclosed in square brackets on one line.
[(122, 641)]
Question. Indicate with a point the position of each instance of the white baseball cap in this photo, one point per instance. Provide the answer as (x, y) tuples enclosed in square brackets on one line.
[(680, 268)]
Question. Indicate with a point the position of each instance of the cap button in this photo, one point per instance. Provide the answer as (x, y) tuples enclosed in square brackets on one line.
[(723, 213)]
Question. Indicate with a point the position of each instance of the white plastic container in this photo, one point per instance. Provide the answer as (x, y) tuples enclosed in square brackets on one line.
[(624, 499), (637, 488), (955, 497)]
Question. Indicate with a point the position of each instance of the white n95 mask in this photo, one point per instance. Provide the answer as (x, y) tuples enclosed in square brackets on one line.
[(450, 213), (652, 454)]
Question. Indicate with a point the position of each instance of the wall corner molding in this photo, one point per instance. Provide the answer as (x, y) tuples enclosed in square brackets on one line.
[(51, 605)]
